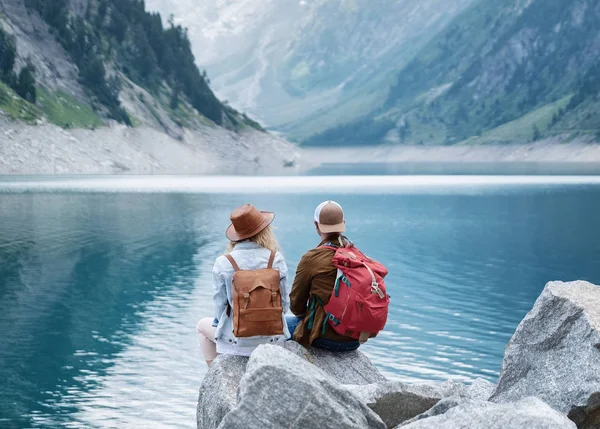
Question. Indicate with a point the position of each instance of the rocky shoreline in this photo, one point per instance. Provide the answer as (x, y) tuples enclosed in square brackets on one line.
[(550, 379), (545, 151), (47, 149), (117, 149)]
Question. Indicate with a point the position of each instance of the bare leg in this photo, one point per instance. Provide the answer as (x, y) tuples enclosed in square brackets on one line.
[(206, 332)]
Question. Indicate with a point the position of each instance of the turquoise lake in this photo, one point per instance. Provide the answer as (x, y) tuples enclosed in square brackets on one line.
[(103, 279)]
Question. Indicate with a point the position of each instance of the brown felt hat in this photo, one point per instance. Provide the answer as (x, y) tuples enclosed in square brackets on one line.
[(247, 221)]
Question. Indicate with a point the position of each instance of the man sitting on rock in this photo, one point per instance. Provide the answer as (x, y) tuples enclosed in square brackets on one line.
[(315, 281)]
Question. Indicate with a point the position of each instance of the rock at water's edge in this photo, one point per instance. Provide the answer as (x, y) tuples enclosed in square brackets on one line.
[(442, 407), (455, 394), (396, 402), (218, 392), (346, 367), (555, 353), (281, 389), (530, 413), (480, 390)]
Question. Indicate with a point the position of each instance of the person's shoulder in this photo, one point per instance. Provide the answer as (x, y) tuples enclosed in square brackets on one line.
[(222, 263), (316, 252), (279, 262), (279, 256)]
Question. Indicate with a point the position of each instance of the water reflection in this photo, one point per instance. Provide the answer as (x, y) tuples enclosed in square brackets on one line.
[(99, 293), (76, 282)]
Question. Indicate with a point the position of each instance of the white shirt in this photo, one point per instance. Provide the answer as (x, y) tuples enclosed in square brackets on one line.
[(248, 256)]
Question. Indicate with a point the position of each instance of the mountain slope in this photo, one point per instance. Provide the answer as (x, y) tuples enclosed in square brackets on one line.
[(497, 63), (302, 66), (70, 71), (113, 55)]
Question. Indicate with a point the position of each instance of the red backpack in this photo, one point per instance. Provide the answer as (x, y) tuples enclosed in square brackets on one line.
[(358, 306)]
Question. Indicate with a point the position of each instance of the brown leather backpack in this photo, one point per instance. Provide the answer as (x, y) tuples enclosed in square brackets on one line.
[(257, 308)]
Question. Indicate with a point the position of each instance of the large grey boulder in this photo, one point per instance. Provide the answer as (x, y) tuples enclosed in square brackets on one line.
[(280, 389), (346, 368), (396, 402), (480, 390), (455, 394), (555, 353), (442, 407), (218, 392), (529, 413)]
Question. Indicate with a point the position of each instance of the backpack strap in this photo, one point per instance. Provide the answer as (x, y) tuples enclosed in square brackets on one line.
[(233, 263), (339, 244), (236, 268), (271, 259), (314, 300)]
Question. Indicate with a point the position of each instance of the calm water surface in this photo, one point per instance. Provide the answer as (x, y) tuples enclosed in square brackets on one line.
[(102, 280)]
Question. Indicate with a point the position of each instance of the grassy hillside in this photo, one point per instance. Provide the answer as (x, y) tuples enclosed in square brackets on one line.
[(16, 107), (60, 109), (498, 73), (64, 110)]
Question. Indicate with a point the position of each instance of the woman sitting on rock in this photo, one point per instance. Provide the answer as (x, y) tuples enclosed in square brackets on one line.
[(250, 290)]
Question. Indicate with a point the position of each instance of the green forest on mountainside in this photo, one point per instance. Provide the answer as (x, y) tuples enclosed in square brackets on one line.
[(22, 83), (534, 68), (121, 36)]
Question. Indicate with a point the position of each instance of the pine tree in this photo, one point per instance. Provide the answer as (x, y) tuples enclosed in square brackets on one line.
[(8, 54), (175, 99), (25, 85), (145, 58), (536, 133), (121, 32), (118, 25)]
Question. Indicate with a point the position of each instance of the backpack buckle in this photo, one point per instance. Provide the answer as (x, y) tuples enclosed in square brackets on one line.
[(375, 289)]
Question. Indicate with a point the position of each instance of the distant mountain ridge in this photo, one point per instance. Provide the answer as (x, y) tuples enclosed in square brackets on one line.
[(501, 72), (303, 66)]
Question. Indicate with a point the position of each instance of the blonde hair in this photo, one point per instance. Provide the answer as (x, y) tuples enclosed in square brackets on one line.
[(266, 239)]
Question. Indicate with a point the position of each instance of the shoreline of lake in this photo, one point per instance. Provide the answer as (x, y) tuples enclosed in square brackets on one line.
[(543, 156), (47, 149), (459, 168)]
